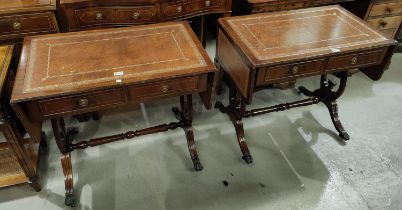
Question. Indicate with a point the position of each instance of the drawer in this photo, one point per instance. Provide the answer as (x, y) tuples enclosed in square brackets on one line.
[(389, 33), (278, 7), (386, 9), (167, 88), (115, 15), (94, 16), (385, 23), (283, 73), (129, 15), (21, 25), (82, 102), (176, 9), (373, 57)]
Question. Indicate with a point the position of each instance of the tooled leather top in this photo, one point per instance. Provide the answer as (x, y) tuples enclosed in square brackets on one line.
[(64, 63), (290, 35)]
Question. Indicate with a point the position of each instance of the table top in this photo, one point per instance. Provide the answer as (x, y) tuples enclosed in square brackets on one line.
[(15, 6), (62, 64), (278, 37)]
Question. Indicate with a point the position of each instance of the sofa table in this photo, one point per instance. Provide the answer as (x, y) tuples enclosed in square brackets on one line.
[(66, 74), (256, 51)]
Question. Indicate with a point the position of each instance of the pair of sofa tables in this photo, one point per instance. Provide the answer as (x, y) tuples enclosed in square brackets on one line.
[(61, 75)]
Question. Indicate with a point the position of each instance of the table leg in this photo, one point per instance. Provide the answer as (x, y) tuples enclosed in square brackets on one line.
[(218, 78), (68, 179), (185, 115), (235, 111), (326, 95), (63, 139)]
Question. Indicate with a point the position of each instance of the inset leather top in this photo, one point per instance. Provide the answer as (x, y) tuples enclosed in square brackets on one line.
[(61, 64), (298, 34)]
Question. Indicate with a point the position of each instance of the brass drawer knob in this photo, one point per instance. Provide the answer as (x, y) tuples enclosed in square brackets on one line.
[(389, 10), (83, 102), (294, 70), (99, 16), (165, 88), (16, 25), (179, 9), (354, 61), (207, 3), (136, 15), (383, 24)]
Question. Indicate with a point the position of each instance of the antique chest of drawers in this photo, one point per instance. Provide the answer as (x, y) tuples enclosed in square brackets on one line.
[(386, 16), (86, 14), (25, 18)]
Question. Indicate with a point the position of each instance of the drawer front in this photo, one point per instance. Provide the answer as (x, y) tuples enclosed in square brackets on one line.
[(174, 87), (278, 7), (373, 57), (288, 6), (177, 9), (115, 15), (389, 33), (385, 23), (18, 26), (82, 102), (386, 9), (136, 15), (283, 73), (94, 16)]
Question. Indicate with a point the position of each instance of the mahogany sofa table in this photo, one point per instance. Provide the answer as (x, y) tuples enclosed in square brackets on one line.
[(257, 51), (66, 74)]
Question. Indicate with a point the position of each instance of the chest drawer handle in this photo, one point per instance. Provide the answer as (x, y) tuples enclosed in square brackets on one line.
[(83, 102), (99, 16), (389, 10), (136, 15), (294, 70), (16, 25), (207, 3), (165, 88), (179, 9), (354, 61), (383, 24)]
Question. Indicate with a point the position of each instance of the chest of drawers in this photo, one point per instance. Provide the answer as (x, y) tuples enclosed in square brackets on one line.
[(25, 18), (77, 15), (386, 16)]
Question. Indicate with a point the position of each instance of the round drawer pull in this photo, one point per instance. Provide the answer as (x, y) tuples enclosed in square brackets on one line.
[(354, 61), (83, 102), (389, 10), (165, 88), (207, 3), (99, 16), (179, 9), (294, 70), (383, 24), (136, 15), (16, 25)]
